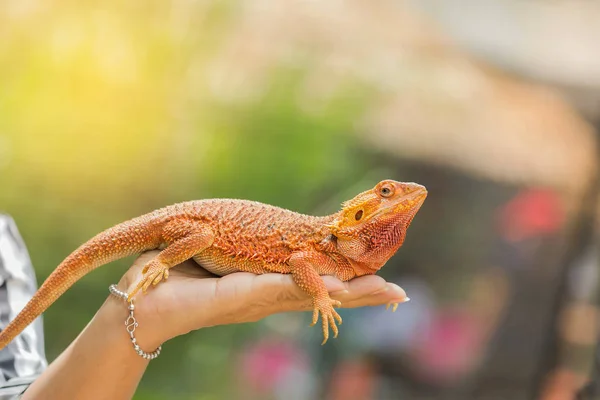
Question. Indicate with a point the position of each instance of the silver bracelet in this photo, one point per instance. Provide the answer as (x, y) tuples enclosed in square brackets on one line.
[(131, 323)]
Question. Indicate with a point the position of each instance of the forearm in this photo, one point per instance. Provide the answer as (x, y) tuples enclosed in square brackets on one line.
[(99, 364)]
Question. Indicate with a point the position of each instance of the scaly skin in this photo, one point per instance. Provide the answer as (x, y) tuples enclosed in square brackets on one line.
[(226, 236)]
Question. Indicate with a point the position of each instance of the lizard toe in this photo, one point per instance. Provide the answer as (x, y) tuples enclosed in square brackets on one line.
[(337, 317), (333, 326), (154, 272), (156, 279), (324, 320), (329, 317), (315, 316), (147, 281), (393, 305)]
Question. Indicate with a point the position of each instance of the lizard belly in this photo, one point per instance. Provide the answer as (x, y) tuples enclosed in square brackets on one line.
[(220, 264), (216, 265)]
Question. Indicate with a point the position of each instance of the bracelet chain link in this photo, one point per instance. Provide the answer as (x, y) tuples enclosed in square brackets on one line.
[(131, 324)]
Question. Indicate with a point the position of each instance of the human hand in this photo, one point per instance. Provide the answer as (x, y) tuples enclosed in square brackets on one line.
[(193, 298)]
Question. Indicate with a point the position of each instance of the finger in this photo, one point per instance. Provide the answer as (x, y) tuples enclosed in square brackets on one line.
[(391, 294), (238, 292), (287, 294), (278, 292), (243, 297), (240, 297), (359, 287), (333, 284)]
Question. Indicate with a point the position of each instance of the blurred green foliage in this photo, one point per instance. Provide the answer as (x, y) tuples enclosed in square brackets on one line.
[(99, 123)]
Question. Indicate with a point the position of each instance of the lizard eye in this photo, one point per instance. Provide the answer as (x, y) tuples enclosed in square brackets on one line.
[(358, 215), (386, 191)]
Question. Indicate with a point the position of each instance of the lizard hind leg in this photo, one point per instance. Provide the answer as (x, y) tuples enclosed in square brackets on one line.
[(186, 239)]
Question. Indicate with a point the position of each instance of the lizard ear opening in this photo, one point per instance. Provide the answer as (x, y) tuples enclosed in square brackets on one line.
[(358, 215)]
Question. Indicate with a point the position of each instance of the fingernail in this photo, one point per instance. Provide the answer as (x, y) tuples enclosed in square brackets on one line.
[(406, 300)]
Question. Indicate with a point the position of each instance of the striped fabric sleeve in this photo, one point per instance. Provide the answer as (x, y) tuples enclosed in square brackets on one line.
[(24, 358)]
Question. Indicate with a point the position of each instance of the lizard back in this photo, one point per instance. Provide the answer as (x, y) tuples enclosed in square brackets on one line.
[(254, 237)]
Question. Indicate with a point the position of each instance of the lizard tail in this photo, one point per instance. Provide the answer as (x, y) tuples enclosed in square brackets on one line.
[(123, 240)]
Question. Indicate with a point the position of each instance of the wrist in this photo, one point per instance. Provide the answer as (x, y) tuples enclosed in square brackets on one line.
[(148, 333), (102, 353)]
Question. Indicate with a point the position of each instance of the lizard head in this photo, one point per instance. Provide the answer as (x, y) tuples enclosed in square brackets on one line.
[(372, 226)]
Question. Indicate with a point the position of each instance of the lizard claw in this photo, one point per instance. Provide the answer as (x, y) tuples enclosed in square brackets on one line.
[(329, 316), (154, 272), (395, 305)]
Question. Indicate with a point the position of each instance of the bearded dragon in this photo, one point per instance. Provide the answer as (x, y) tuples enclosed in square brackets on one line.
[(226, 236)]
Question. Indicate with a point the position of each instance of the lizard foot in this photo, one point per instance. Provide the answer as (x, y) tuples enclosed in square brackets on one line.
[(328, 316), (154, 272)]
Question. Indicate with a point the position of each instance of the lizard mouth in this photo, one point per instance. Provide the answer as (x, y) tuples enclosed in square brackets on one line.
[(409, 202)]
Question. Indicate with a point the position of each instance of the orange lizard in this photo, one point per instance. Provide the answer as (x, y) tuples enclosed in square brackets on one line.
[(226, 236)]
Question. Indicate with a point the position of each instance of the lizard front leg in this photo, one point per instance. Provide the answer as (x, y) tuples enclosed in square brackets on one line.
[(304, 272), (184, 239)]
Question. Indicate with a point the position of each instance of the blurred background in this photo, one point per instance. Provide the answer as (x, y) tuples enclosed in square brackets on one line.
[(111, 109)]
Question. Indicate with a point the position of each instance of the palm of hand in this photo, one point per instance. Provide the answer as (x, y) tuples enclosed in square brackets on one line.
[(193, 298)]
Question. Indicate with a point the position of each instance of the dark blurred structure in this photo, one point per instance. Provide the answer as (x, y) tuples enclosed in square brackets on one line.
[(441, 108)]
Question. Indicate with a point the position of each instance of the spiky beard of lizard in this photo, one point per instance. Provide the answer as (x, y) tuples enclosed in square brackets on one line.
[(376, 241)]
